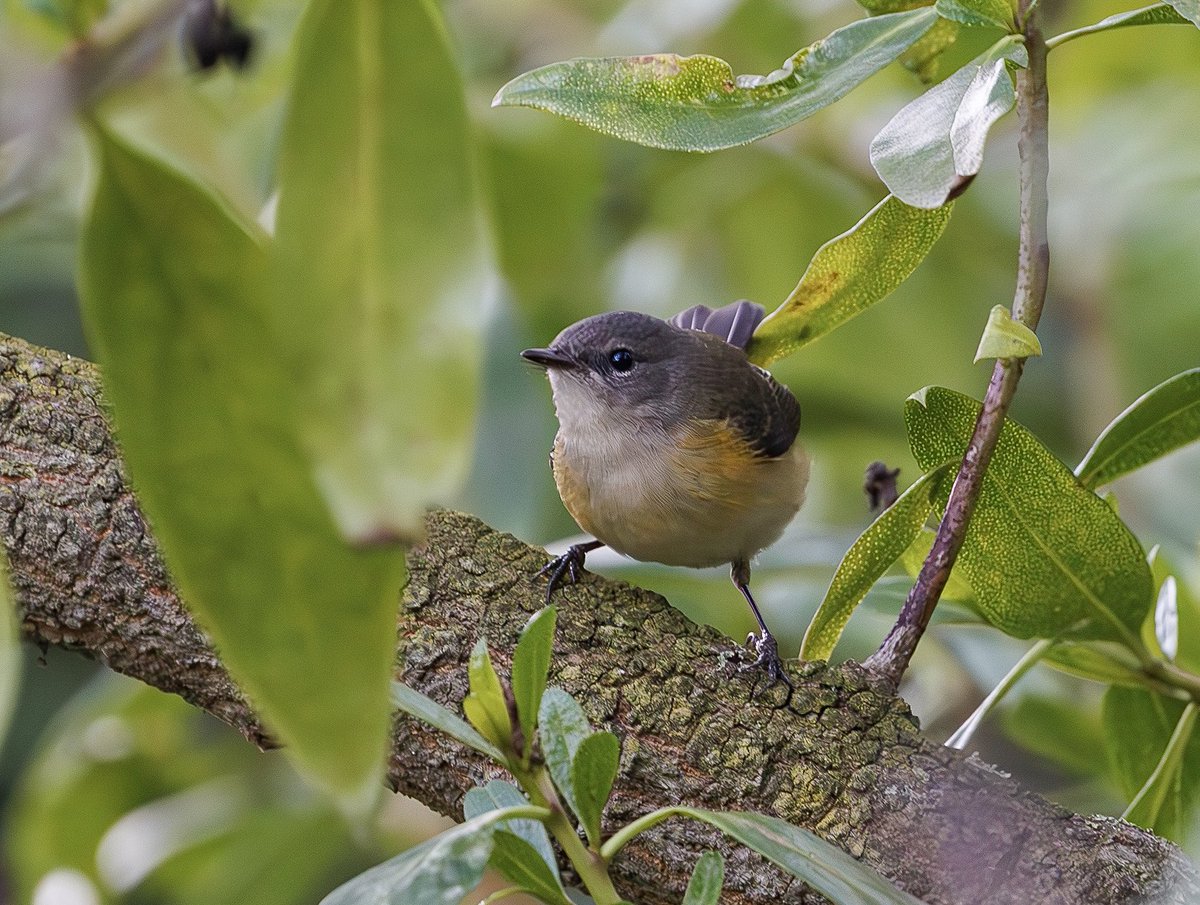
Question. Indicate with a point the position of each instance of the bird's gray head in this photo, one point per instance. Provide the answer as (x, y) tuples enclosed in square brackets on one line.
[(635, 367)]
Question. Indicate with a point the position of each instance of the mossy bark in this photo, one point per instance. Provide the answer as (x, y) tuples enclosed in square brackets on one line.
[(845, 759)]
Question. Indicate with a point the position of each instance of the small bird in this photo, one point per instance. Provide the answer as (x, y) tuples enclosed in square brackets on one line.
[(672, 447)]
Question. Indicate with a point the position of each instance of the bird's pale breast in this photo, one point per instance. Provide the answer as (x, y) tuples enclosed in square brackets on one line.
[(700, 497)]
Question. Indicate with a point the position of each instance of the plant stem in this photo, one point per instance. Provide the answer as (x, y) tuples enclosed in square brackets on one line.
[(588, 863), (625, 834), (892, 658), (1028, 660), (1169, 761)]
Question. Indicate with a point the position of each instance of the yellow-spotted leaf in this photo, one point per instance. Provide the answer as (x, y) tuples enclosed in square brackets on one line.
[(930, 148), (1045, 556), (174, 295), (876, 549), (380, 275), (1004, 337), (696, 103), (849, 274), (1156, 14)]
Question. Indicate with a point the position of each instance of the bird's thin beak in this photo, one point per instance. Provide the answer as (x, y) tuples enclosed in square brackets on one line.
[(548, 358)]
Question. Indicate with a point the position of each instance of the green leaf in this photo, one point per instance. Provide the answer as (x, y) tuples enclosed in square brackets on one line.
[(849, 274), (562, 727), (530, 666), (876, 549), (979, 13), (1187, 609), (430, 711), (1107, 663), (10, 651), (1157, 14), (1161, 421), (1155, 758), (1004, 337), (522, 850), (1189, 9), (486, 706), (957, 587), (704, 888), (593, 771), (1045, 556), (440, 871), (824, 867), (928, 149), (379, 265), (173, 289), (697, 104)]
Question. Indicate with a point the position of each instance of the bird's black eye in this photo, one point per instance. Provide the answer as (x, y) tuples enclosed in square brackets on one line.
[(621, 360)]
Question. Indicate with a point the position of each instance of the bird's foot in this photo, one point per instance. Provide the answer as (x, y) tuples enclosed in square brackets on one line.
[(567, 566), (769, 661)]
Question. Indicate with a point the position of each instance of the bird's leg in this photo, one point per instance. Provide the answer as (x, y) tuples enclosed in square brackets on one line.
[(764, 643), (570, 564)]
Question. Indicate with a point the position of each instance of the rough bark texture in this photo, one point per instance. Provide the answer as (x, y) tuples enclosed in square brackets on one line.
[(846, 759)]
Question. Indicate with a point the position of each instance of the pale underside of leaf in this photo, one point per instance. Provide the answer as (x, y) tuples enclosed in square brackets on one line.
[(933, 143)]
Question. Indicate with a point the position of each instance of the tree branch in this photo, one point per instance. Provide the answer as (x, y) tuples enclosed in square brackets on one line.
[(1033, 257), (846, 759)]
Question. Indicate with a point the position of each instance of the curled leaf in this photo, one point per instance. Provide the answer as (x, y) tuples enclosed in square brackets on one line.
[(927, 149), (1004, 337)]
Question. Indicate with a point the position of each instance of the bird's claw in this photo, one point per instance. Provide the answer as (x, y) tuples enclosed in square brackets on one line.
[(567, 565), (769, 661)]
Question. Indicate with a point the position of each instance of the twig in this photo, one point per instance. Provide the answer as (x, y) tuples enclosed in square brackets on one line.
[(892, 658)]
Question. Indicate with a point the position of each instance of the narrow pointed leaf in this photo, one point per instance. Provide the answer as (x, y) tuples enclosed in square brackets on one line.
[(1004, 337), (1161, 421), (485, 706), (1043, 555), (430, 711), (562, 727), (1158, 778), (440, 871), (1102, 662), (10, 651), (697, 104), (379, 268), (876, 549), (704, 888), (979, 13), (824, 867), (927, 149), (1156, 14), (522, 851), (593, 771), (530, 666), (849, 274), (173, 290)]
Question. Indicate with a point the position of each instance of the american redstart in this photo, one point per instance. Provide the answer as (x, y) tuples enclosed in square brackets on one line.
[(672, 447)]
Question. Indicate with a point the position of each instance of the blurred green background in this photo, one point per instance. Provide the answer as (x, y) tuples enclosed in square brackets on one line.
[(95, 766)]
